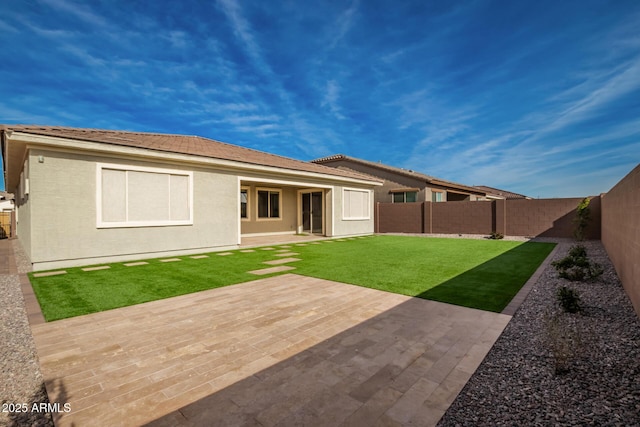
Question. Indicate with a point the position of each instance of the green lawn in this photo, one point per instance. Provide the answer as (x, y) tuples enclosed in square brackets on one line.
[(483, 274)]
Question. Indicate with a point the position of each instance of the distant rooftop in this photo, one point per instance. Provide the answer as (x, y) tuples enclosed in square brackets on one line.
[(501, 193), (401, 171)]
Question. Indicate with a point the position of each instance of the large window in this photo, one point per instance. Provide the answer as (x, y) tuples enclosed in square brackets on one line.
[(356, 204), (132, 196), (404, 196), (269, 204)]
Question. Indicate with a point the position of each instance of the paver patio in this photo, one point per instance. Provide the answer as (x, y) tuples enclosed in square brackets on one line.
[(286, 350)]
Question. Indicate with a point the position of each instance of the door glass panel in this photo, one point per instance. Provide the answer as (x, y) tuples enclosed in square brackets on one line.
[(306, 212), (316, 211)]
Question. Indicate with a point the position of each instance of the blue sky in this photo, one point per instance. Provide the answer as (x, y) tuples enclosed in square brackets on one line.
[(536, 97)]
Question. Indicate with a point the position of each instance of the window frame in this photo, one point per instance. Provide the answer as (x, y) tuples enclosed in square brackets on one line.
[(269, 192), (433, 196), (248, 191), (100, 223), (404, 196), (361, 218)]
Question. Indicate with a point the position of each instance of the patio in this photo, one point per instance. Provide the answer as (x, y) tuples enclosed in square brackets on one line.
[(310, 352)]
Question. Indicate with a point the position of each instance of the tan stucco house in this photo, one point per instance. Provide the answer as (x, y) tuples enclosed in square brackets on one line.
[(404, 185), (88, 196)]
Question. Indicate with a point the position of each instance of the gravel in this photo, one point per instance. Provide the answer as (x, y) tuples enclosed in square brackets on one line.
[(598, 376), (21, 382)]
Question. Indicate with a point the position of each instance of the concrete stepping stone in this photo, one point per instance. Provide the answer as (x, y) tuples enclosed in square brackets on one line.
[(285, 247), (247, 251), (288, 254), (284, 250), (102, 267), (281, 261), (199, 256), (267, 249), (49, 273), (170, 260), (135, 264), (270, 270), (224, 253), (301, 244)]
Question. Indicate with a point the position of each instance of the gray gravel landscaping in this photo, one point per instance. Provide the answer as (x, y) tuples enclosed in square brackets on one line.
[(21, 381), (598, 350)]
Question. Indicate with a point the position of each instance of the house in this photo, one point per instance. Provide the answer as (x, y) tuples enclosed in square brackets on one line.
[(6, 201), (403, 185), (88, 196), (496, 193)]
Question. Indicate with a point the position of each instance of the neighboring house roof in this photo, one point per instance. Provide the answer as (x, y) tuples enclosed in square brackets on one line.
[(502, 194), (183, 144), (400, 171), (6, 196)]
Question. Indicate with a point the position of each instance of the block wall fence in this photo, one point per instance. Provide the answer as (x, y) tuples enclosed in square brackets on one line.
[(520, 217), (621, 232)]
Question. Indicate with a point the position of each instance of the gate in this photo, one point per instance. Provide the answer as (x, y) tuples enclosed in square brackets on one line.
[(5, 225)]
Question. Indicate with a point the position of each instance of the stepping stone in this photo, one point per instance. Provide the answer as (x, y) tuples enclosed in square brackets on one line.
[(49, 273), (170, 260), (267, 249), (287, 254), (284, 250), (246, 251), (281, 261), (272, 270), (315, 243), (340, 240), (285, 247), (225, 253), (301, 244), (102, 267), (135, 264), (199, 256)]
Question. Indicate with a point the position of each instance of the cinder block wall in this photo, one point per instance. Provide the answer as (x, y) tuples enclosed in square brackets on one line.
[(549, 217), (621, 232), (539, 217), (399, 217), (461, 217)]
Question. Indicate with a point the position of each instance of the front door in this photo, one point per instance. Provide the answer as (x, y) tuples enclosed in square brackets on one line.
[(312, 212)]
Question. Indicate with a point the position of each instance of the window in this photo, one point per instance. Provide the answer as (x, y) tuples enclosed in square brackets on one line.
[(437, 196), (355, 204), (131, 196), (405, 197), (244, 203), (268, 204)]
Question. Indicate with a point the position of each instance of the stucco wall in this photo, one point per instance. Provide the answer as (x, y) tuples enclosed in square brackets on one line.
[(348, 227), (63, 214), (289, 214), (621, 232)]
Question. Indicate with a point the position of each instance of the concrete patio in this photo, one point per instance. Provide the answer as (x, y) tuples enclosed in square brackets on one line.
[(287, 350)]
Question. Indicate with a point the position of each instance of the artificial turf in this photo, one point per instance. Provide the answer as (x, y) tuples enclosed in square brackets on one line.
[(482, 274)]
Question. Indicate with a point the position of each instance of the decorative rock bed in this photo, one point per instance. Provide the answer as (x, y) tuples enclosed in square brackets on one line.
[(21, 384), (517, 383)]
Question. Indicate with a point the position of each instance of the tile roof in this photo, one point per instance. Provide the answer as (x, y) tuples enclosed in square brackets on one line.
[(501, 193), (184, 144), (405, 172)]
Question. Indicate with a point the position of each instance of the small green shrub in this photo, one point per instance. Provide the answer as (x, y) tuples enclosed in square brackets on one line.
[(496, 236), (576, 265), (569, 299)]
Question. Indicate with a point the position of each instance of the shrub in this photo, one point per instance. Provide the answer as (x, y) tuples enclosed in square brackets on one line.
[(582, 219), (576, 265), (496, 236), (564, 341), (569, 299)]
